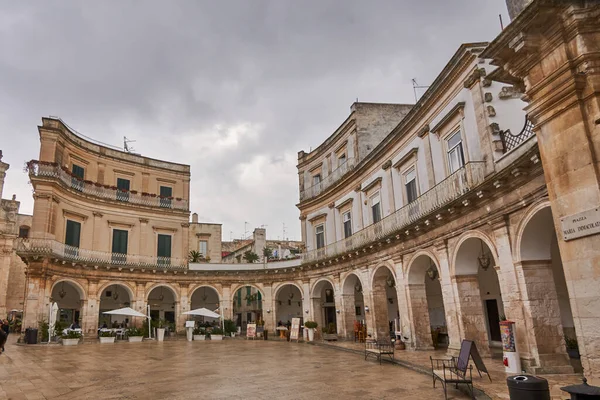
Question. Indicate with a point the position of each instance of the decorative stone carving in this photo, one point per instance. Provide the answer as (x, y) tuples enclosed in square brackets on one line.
[(488, 97), (386, 165), (491, 111), (486, 83), (509, 92)]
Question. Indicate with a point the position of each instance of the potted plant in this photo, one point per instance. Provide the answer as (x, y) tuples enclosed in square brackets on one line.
[(572, 347), (230, 327), (216, 334), (107, 337), (71, 338), (160, 330), (199, 333), (311, 326), (134, 335)]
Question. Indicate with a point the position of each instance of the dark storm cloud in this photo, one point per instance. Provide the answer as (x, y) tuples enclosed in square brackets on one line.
[(234, 88)]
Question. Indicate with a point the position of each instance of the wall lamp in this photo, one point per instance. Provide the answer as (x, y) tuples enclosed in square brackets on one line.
[(337, 311), (367, 308), (268, 311), (306, 311)]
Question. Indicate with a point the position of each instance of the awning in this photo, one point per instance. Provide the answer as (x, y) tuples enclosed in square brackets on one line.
[(128, 311), (204, 312)]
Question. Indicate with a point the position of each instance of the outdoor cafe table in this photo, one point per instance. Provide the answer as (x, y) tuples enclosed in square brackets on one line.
[(282, 330), (119, 332)]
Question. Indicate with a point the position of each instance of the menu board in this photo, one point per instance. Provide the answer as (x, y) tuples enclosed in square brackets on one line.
[(251, 331), (507, 329), (295, 330)]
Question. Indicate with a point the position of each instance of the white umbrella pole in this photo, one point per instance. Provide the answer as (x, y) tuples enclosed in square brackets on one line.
[(49, 318), (149, 326)]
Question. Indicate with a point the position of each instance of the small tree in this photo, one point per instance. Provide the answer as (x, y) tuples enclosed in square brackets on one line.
[(267, 253), (195, 256), (250, 256)]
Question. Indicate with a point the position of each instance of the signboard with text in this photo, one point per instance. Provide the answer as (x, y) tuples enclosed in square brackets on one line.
[(295, 330), (251, 331), (583, 224)]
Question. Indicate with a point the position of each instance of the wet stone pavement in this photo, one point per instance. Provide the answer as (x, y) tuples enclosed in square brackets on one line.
[(231, 369)]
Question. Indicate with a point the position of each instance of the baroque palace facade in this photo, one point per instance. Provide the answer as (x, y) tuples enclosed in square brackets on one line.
[(435, 220)]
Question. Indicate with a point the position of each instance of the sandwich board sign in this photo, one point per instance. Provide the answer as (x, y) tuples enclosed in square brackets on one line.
[(295, 330)]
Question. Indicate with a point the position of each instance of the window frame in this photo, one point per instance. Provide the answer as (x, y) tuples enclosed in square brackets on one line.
[(405, 182), (372, 205), (349, 214), (200, 247), (164, 260), (322, 226), (449, 150)]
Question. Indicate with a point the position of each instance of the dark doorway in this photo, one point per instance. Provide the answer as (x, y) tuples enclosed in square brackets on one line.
[(493, 320), (170, 316)]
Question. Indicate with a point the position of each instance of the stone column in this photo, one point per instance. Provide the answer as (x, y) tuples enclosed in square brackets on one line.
[(402, 298), (470, 310), (226, 303), (6, 251), (379, 310), (339, 317), (268, 304), (139, 302), (511, 294), (35, 307), (419, 312), (564, 105), (90, 310), (185, 300), (348, 313), (448, 295), (542, 312)]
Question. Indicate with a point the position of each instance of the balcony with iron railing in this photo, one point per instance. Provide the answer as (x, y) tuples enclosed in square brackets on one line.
[(40, 169), (54, 249), (510, 141), (450, 189), (329, 180)]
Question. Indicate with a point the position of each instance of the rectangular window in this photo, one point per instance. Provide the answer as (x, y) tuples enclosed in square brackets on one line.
[(316, 179), (347, 221), (72, 235), (320, 236), (24, 232), (410, 183), (123, 189), (456, 157), (78, 176), (376, 208), (119, 246), (341, 159), (163, 250), (165, 192), (203, 248)]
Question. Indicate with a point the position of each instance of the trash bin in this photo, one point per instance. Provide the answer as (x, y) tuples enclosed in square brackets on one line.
[(31, 335), (527, 387), (266, 334), (582, 391)]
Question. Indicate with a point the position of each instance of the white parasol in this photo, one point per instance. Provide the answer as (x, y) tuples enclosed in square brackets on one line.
[(127, 311), (204, 312)]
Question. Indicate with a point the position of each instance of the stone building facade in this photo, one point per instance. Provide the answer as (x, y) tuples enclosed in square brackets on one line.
[(448, 220)]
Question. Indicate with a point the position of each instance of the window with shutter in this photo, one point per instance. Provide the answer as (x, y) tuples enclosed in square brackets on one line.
[(347, 221), (72, 235), (456, 157), (320, 236), (119, 246), (164, 249), (410, 183), (165, 193), (123, 189), (376, 208), (77, 179)]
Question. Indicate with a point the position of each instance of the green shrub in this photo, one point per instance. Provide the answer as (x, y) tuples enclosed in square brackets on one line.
[(311, 324), (229, 326), (71, 335), (107, 334), (134, 332), (43, 331), (216, 331), (199, 331)]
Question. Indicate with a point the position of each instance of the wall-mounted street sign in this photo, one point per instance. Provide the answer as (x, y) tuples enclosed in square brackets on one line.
[(582, 224)]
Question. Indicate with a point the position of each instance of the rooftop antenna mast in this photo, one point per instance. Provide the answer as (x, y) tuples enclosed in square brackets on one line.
[(126, 147), (417, 86), (283, 235)]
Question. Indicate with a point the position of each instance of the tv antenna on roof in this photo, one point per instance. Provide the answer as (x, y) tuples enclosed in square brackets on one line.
[(126, 147), (417, 86)]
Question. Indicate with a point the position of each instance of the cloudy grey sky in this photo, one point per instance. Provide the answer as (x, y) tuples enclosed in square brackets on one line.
[(234, 88)]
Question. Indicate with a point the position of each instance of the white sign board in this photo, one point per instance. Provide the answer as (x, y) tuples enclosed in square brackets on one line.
[(189, 324), (295, 331), (583, 224)]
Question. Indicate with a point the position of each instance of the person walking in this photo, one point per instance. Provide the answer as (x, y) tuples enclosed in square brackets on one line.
[(5, 331)]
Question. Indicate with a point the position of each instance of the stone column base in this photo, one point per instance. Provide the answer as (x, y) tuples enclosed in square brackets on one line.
[(551, 364)]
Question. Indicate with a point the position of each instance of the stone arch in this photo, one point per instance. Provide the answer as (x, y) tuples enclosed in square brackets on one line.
[(200, 286), (130, 290), (235, 288), (376, 270), (159, 284), (320, 282), (347, 288), (473, 234), (281, 285), (530, 213), (243, 311), (80, 289), (413, 270)]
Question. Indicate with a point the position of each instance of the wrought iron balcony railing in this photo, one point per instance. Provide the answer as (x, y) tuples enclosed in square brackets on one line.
[(52, 248), (39, 169), (452, 188), (329, 180), (510, 141)]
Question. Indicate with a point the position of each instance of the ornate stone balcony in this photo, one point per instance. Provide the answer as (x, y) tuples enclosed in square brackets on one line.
[(46, 170), (510, 141), (53, 249), (329, 180), (443, 194)]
